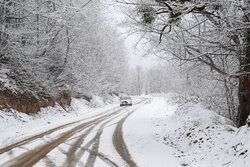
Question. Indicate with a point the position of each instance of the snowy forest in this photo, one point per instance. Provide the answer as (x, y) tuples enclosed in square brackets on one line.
[(52, 50), (124, 83)]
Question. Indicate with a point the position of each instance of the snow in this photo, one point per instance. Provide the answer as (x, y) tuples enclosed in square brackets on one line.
[(15, 125), (139, 132), (106, 145), (5, 81), (164, 130), (201, 137), (177, 132)]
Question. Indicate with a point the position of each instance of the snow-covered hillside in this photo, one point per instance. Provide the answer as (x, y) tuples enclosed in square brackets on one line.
[(201, 137)]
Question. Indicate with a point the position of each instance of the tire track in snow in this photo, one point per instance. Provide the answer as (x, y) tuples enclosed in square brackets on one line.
[(71, 161), (49, 162), (32, 138), (28, 140), (95, 147), (119, 143), (104, 158), (33, 156), (93, 152)]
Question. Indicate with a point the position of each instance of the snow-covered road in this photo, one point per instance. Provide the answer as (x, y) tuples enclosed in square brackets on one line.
[(117, 136), (139, 131)]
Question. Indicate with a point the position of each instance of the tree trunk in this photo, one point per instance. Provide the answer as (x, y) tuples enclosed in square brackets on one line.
[(244, 85)]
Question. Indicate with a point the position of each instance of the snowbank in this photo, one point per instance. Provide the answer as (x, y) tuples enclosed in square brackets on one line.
[(201, 137)]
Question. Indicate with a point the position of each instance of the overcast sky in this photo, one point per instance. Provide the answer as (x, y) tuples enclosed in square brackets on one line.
[(136, 52)]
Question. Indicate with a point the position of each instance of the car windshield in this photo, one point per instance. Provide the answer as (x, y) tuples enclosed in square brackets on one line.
[(125, 98)]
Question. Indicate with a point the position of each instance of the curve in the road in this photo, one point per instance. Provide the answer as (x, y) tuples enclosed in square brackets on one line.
[(93, 152), (31, 157)]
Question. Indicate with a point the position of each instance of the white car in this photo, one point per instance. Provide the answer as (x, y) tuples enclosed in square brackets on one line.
[(125, 101)]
